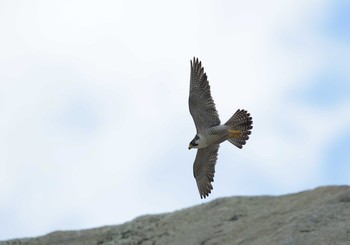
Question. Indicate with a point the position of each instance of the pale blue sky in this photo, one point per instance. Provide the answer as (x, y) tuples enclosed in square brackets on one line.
[(95, 124)]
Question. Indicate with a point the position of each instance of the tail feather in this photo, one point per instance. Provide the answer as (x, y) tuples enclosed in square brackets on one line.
[(242, 122)]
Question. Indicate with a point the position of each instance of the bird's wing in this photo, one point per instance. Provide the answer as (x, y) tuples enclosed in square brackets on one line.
[(202, 106), (204, 169)]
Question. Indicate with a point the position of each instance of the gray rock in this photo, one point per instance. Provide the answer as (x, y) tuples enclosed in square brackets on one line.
[(320, 216)]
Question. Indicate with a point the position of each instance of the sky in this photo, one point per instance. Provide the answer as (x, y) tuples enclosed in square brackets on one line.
[(95, 125)]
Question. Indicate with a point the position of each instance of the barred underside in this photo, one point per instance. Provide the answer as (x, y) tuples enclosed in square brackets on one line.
[(204, 169), (201, 104)]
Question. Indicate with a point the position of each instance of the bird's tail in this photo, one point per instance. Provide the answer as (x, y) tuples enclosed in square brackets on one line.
[(239, 127)]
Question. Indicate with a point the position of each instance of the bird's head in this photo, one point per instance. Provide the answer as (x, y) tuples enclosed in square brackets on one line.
[(194, 143)]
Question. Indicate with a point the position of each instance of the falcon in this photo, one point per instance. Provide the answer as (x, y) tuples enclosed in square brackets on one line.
[(210, 132)]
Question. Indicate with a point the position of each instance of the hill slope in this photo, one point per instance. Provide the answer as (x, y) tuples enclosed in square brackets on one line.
[(320, 216)]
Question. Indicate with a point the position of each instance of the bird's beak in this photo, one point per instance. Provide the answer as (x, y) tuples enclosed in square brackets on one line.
[(189, 146)]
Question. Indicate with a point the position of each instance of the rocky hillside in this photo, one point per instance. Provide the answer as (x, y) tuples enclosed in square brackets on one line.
[(320, 216)]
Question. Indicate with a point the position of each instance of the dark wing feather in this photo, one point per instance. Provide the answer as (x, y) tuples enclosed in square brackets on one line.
[(204, 169), (202, 106)]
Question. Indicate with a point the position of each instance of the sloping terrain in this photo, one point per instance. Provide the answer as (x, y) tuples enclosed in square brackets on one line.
[(320, 216)]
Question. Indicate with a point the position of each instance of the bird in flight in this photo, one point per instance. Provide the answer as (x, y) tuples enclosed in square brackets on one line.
[(210, 132)]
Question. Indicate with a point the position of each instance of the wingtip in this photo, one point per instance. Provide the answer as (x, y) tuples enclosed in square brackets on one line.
[(204, 196), (195, 60)]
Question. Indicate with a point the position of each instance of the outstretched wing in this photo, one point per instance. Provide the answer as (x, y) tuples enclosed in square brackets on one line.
[(202, 106), (204, 169)]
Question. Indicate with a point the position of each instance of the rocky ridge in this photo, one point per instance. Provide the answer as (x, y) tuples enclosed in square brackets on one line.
[(320, 216)]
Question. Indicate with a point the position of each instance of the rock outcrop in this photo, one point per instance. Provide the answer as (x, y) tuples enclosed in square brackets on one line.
[(320, 216)]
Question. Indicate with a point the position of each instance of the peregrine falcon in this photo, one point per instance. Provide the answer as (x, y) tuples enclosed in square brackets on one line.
[(210, 133)]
